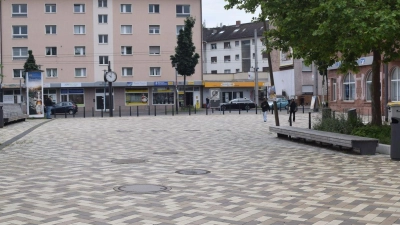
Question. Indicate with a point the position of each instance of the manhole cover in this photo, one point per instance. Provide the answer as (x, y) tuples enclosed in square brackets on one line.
[(192, 172), (165, 153), (142, 188), (128, 161)]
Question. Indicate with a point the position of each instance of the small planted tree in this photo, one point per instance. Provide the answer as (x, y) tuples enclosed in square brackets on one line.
[(185, 58), (30, 64)]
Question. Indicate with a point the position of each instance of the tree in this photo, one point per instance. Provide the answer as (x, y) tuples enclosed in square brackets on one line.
[(30, 64), (185, 58), (334, 31)]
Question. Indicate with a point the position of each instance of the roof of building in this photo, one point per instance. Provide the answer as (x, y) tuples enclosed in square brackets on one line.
[(239, 31)]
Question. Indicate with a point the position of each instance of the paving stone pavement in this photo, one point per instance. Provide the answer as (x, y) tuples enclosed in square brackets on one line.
[(61, 173)]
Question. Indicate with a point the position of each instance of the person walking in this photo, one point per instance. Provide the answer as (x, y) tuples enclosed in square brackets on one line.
[(292, 110), (265, 108), (48, 103)]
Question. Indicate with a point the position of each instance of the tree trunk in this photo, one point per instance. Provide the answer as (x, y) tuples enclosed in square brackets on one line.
[(184, 90), (375, 89)]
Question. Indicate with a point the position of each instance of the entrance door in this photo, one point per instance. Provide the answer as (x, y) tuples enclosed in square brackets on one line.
[(100, 102), (189, 98)]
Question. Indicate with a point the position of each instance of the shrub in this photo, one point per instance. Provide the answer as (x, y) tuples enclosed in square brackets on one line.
[(383, 133), (339, 124)]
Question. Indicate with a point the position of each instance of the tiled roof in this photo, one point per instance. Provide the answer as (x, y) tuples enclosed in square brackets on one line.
[(241, 31)]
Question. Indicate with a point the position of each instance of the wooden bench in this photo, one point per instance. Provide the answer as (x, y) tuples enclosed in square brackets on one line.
[(12, 113), (367, 146)]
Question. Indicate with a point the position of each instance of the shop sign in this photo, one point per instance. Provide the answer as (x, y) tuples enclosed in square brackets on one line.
[(136, 83), (71, 84)]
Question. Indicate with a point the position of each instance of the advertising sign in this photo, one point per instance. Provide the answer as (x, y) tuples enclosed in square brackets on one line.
[(34, 86)]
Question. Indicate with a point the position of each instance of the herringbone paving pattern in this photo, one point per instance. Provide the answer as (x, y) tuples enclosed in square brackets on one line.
[(61, 173)]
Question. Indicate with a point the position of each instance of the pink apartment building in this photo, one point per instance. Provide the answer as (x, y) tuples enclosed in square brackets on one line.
[(74, 40)]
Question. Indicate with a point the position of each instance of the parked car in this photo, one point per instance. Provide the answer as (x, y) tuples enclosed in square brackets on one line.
[(281, 102), (64, 107), (240, 103)]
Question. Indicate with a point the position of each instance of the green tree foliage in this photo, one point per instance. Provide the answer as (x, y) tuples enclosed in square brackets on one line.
[(331, 31), (185, 57), (30, 64)]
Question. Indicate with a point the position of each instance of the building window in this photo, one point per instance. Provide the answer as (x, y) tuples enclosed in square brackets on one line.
[(154, 8), (19, 10), (368, 86), (155, 71), (237, 43), (126, 29), (18, 73), (264, 55), (213, 46), (213, 72), (80, 50), (227, 58), (50, 8), (51, 29), (333, 90), (80, 72), (349, 87), (51, 72), (265, 69), (102, 3), (227, 71), (214, 59), (79, 29), (126, 50), (395, 85), (20, 52), (183, 10), (103, 60), (20, 31), (178, 28), (227, 45), (103, 38), (154, 29), (79, 8), (103, 19), (237, 57), (306, 68), (51, 51), (127, 71), (126, 8), (154, 50)]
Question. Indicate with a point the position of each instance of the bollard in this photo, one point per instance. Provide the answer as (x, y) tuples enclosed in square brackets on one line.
[(65, 113), (137, 111), (119, 111), (206, 110), (92, 112), (1, 117), (173, 108), (84, 112), (212, 110), (130, 110), (247, 110), (101, 112), (230, 108), (290, 121), (223, 110), (280, 106), (165, 110), (155, 111), (256, 108), (309, 120), (303, 109), (148, 107), (239, 110)]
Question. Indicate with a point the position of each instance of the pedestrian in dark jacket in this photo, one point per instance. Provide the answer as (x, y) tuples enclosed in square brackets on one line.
[(265, 108), (48, 103), (292, 110)]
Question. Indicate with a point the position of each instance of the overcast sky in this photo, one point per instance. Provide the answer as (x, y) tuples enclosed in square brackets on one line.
[(214, 14)]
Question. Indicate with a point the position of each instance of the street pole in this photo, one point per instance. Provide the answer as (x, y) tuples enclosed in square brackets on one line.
[(255, 67), (105, 87), (386, 71), (110, 92), (176, 88)]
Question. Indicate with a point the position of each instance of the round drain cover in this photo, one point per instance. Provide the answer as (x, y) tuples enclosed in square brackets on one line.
[(166, 153), (192, 172), (128, 161), (142, 188)]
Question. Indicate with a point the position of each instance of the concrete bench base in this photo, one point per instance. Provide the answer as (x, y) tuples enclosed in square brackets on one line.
[(367, 146)]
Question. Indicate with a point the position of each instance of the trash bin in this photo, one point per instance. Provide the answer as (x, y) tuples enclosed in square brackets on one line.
[(352, 114), (393, 109), (395, 143)]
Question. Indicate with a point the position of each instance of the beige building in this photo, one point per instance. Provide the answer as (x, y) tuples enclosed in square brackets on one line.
[(74, 40)]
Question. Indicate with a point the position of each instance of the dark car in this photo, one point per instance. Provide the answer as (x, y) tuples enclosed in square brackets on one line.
[(64, 107), (240, 103), (281, 103)]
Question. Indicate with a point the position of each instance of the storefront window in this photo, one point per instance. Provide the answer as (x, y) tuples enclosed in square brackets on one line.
[(163, 96), (136, 96), (75, 95)]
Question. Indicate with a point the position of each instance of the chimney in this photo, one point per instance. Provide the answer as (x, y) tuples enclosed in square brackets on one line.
[(237, 22)]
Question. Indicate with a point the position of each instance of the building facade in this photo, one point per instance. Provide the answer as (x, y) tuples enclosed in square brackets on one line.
[(73, 41)]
